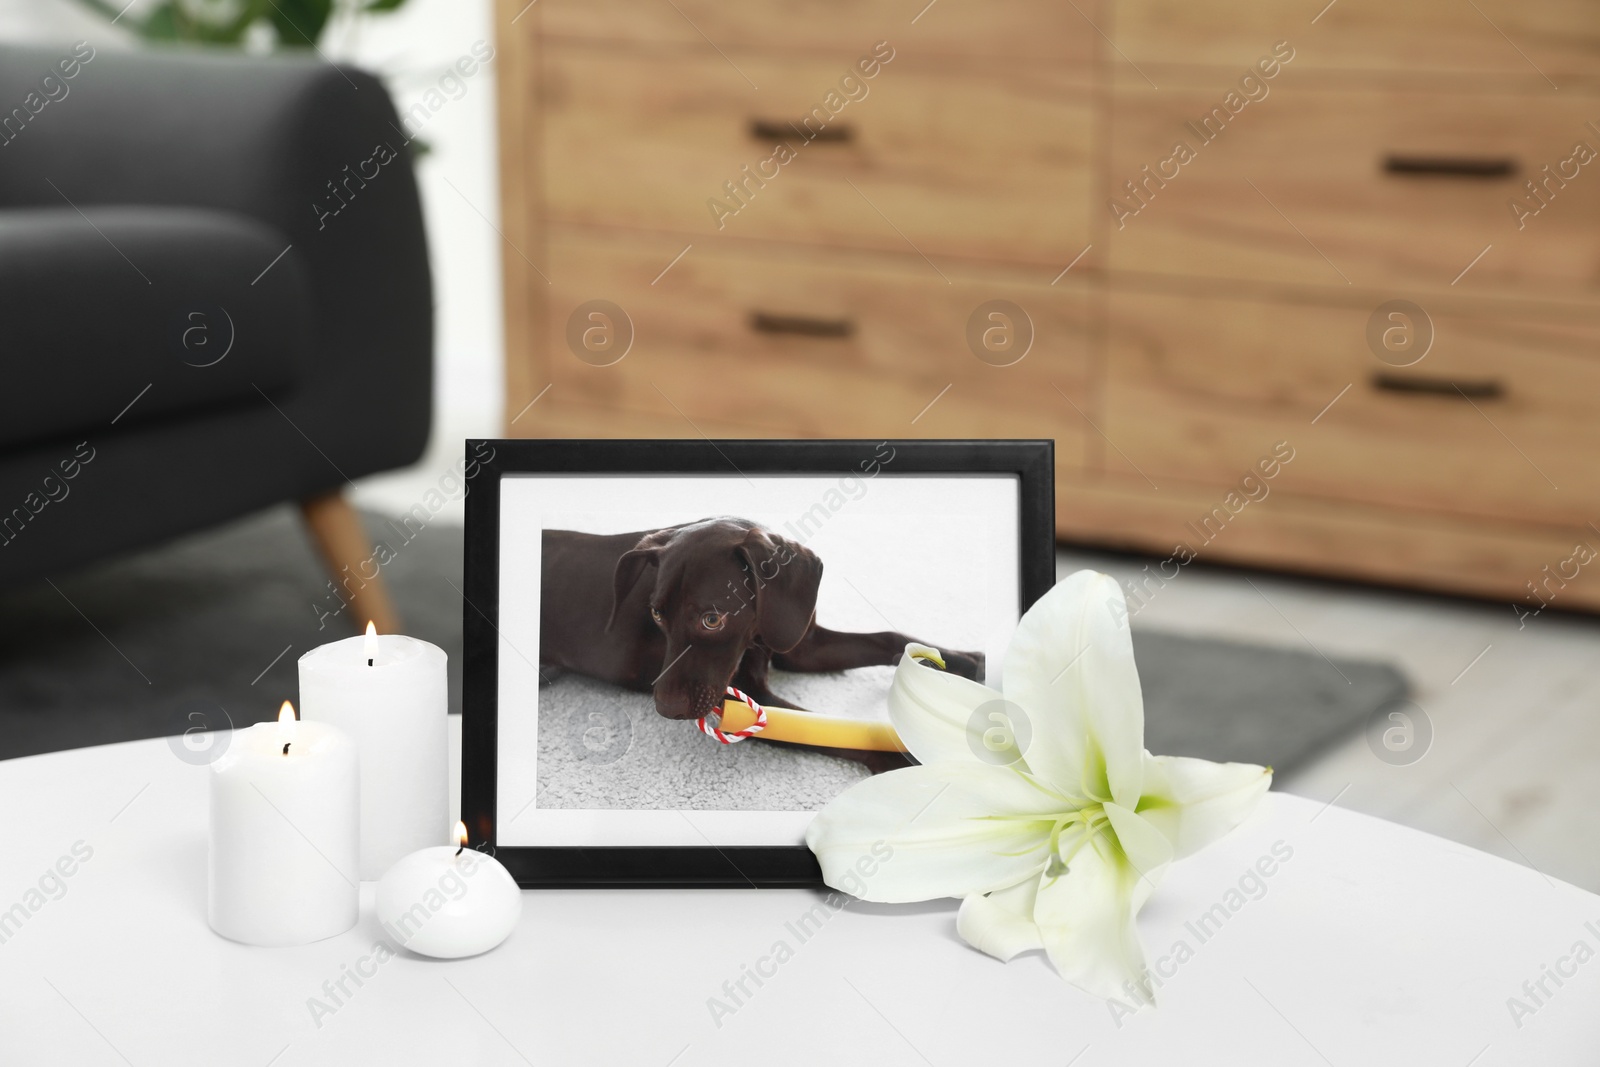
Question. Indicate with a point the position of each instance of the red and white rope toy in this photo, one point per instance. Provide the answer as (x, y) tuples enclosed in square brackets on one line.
[(736, 735)]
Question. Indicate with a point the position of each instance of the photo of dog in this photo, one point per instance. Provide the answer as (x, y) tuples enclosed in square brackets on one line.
[(631, 603), (700, 606)]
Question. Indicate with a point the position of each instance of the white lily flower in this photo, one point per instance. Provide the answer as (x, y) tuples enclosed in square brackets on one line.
[(1058, 842)]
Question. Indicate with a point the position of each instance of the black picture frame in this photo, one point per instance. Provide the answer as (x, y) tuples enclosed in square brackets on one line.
[(739, 867)]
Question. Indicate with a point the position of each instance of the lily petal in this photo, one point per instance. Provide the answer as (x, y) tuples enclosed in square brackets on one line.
[(1086, 916), (1070, 668), (931, 709), (1193, 802), (942, 830), (1001, 923)]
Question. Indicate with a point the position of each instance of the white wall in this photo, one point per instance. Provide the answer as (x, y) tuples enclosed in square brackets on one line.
[(46, 21), (411, 49)]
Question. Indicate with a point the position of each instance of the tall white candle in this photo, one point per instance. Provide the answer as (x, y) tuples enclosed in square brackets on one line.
[(389, 693), (285, 834)]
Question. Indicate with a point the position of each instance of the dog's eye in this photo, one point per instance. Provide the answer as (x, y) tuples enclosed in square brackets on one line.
[(712, 621), (655, 613)]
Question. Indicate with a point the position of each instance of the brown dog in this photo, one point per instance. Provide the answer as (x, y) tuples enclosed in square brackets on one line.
[(686, 611)]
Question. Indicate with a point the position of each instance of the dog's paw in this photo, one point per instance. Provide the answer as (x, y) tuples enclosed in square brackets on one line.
[(879, 762), (967, 664)]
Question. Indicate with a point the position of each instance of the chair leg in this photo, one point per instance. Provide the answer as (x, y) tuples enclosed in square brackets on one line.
[(346, 550)]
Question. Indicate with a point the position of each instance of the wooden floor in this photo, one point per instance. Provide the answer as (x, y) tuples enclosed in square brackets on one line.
[(1514, 764)]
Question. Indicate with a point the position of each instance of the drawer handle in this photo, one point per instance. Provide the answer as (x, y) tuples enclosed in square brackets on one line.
[(1450, 166), (770, 130), (1483, 389), (803, 325)]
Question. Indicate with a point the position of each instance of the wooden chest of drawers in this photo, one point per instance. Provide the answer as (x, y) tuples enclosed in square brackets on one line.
[(866, 218)]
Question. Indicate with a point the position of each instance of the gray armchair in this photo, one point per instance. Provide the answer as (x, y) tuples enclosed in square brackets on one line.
[(214, 297)]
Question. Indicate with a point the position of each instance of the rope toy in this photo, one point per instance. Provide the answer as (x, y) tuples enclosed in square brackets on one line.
[(734, 736)]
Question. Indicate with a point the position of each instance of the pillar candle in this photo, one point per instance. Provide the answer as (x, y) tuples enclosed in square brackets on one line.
[(285, 825), (389, 693)]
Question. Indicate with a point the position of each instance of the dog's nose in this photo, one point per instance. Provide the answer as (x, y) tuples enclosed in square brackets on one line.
[(678, 714), (692, 705), (675, 708)]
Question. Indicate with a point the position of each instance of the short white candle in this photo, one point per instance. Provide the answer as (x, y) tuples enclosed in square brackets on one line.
[(285, 834), (449, 901), (389, 693)]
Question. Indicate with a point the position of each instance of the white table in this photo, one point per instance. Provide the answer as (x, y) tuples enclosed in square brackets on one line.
[(1372, 944)]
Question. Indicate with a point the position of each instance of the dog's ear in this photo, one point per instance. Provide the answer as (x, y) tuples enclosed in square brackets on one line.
[(786, 577), (631, 568)]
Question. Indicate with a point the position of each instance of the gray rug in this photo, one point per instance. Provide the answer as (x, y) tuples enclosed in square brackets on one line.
[(208, 629)]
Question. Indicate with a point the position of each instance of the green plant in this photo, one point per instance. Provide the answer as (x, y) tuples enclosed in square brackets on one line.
[(297, 23)]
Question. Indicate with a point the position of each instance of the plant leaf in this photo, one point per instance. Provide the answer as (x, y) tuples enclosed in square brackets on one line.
[(162, 24), (300, 22)]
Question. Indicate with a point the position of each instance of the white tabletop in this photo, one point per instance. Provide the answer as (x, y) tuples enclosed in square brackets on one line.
[(1370, 944)]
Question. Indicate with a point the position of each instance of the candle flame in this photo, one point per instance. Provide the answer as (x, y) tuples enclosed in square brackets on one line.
[(286, 726), (461, 834), (370, 645)]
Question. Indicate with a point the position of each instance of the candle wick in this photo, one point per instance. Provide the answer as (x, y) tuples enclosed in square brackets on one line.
[(286, 747), (369, 663), (459, 848)]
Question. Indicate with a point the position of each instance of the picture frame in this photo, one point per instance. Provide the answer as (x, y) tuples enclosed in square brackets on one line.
[(990, 501)]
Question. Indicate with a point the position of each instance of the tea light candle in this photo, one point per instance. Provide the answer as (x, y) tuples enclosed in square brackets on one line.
[(389, 693), (285, 834), (449, 901)]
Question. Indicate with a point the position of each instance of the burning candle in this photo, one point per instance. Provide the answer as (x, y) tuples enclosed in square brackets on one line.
[(285, 834), (448, 901), (389, 693)]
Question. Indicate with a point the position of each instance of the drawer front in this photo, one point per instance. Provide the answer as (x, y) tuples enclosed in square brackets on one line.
[(998, 29), (990, 165), (1200, 389), (1476, 558), (804, 346), (1553, 36), (1399, 189)]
